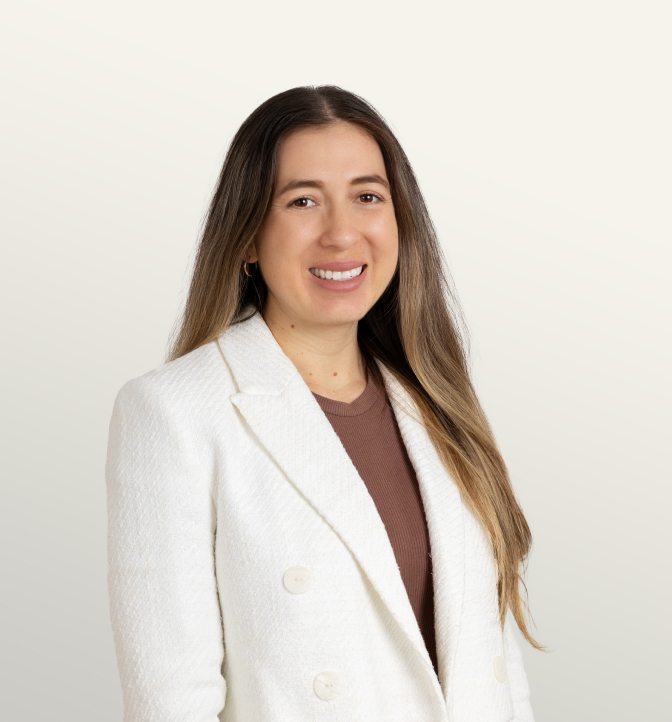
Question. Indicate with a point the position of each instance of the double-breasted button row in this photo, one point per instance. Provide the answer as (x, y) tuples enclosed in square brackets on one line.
[(327, 685)]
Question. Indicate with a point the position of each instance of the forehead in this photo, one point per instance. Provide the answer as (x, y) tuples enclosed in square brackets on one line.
[(341, 150)]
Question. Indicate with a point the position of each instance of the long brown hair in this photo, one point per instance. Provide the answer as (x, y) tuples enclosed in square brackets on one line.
[(412, 329)]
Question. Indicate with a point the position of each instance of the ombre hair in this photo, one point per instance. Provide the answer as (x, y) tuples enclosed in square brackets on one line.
[(413, 329)]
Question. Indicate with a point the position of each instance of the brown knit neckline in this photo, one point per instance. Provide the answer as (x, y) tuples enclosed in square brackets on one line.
[(372, 393)]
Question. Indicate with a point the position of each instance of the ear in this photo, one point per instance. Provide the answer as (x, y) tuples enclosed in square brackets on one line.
[(252, 256)]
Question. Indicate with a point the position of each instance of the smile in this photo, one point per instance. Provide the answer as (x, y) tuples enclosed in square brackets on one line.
[(337, 275)]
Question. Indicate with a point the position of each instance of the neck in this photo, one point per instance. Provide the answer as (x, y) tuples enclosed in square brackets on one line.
[(327, 356)]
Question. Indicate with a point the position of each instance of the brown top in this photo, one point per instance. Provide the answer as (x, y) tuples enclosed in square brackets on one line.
[(368, 430)]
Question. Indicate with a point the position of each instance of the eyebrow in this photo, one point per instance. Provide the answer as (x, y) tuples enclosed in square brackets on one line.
[(294, 184)]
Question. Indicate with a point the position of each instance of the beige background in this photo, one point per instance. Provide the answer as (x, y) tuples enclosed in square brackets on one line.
[(540, 133)]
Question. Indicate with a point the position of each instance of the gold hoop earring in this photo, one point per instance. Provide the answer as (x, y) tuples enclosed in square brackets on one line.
[(247, 273)]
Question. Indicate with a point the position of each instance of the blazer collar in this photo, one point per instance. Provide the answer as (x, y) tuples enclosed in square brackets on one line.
[(258, 364), (283, 413)]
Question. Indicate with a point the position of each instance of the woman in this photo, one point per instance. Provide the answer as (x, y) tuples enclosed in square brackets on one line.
[(275, 490)]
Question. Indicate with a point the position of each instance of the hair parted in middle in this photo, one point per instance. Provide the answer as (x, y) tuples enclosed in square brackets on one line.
[(413, 329)]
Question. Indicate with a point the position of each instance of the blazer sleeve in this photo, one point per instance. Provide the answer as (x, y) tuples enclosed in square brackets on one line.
[(520, 690), (163, 593)]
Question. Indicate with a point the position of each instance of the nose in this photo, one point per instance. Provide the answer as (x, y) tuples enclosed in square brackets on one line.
[(340, 230)]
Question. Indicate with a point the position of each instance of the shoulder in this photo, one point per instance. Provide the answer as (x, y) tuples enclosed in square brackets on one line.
[(190, 384)]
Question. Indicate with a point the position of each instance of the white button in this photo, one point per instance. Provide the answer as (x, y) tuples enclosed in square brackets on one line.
[(327, 685), (297, 580), (500, 669)]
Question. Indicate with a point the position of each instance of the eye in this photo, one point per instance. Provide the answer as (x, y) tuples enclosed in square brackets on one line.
[(369, 198), (302, 203)]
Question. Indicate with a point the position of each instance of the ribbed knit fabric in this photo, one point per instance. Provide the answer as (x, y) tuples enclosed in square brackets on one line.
[(369, 432)]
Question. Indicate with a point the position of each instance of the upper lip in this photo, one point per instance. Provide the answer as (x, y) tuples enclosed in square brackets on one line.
[(339, 265)]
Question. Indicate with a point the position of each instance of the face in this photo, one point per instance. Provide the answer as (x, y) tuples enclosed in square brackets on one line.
[(328, 246)]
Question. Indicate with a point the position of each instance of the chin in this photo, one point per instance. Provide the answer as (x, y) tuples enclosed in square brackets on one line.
[(340, 313)]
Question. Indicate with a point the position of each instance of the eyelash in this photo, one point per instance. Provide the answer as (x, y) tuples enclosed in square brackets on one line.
[(305, 198)]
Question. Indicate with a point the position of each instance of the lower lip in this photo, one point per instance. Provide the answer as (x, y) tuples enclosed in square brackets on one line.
[(341, 286)]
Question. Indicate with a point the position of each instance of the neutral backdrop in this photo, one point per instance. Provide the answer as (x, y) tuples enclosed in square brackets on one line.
[(540, 133)]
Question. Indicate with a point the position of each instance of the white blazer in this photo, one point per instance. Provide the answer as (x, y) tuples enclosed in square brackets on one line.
[(223, 473)]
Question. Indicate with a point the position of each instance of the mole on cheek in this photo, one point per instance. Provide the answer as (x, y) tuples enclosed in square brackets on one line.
[(292, 325), (335, 374)]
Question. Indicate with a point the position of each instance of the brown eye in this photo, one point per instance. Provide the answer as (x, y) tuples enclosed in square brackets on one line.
[(302, 203), (367, 197)]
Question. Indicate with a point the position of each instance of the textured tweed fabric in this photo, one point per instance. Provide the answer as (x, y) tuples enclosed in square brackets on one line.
[(222, 474)]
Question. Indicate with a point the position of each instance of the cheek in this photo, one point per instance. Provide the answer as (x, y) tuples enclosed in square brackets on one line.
[(283, 242), (387, 245), (280, 258)]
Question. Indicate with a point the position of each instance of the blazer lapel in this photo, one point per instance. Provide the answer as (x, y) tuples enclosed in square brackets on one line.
[(444, 511), (282, 412)]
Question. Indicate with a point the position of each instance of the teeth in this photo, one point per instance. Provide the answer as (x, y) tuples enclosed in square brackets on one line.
[(337, 275)]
